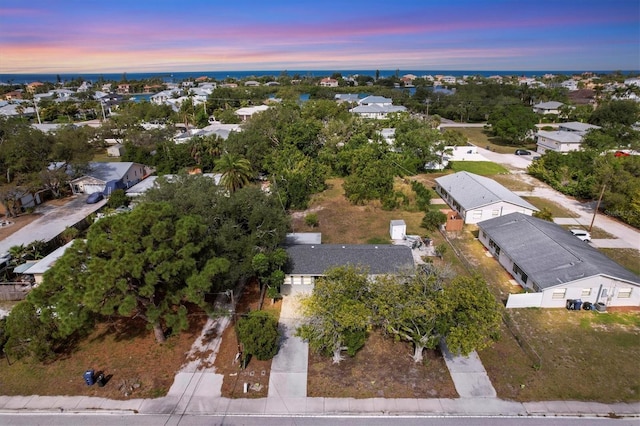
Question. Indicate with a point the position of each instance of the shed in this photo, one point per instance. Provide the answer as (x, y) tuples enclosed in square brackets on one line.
[(397, 229)]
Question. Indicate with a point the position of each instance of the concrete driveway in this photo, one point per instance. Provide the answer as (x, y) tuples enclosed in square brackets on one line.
[(53, 220)]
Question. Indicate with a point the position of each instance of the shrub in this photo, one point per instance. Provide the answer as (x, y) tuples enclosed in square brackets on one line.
[(433, 219), (259, 335), (311, 220)]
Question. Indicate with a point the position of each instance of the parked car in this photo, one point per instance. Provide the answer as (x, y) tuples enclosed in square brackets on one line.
[(581, 234), (522, 152), (94, 198)]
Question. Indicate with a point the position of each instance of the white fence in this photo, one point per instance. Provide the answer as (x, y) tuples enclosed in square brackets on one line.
[(524, 300)]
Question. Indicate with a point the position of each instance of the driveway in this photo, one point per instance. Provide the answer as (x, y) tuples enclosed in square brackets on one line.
[(53, 220), (625, 235)]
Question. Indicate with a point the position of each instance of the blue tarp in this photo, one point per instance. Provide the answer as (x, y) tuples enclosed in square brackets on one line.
[(112, 185)]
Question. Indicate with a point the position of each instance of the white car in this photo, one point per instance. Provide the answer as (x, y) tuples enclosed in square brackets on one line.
[(581, 234)]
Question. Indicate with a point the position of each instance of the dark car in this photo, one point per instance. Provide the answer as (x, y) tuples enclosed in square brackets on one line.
[(94, 198), (522, 152)]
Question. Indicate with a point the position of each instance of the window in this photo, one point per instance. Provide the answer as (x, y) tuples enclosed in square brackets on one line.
[(624, 293), (518, 271), (477, 214), (586, 292), (559, 294), (495, 247), (484, 235), (495, 213)]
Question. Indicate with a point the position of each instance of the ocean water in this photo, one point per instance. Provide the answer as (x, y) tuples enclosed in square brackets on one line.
[(168, 77)]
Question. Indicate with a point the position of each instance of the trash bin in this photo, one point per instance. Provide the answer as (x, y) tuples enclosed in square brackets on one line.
[(600, 307), (587, 306), (577, 304), (569, 304), (89, 377), (100, 380)]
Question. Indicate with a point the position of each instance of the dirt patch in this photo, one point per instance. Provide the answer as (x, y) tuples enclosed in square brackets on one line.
[(383, 368), (136, 366), (227, 362)]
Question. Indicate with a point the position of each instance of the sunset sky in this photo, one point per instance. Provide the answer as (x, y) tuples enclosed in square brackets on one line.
[(67, 36)]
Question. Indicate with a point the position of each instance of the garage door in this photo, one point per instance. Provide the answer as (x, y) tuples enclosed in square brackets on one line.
[(90, 189)]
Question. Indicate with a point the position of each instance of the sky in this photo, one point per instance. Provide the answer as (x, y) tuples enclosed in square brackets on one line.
[(94, 36)]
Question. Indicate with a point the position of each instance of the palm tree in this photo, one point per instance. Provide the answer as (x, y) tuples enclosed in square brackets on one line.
[(235, 170)]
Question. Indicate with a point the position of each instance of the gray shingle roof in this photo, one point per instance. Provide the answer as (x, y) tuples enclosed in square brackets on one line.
[(472, 191), (548, 253), (308, 259)]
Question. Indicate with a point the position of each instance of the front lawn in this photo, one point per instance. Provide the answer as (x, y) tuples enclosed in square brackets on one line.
[(482, 168)]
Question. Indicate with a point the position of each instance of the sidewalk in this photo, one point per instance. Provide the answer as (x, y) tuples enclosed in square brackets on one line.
[(197, 391)]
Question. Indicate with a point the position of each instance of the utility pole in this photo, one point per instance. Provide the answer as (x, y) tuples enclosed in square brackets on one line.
[(595, 211)]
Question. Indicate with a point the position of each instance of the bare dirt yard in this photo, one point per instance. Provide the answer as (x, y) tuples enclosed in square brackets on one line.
[(383, 368), (256, 372), (136, 366)]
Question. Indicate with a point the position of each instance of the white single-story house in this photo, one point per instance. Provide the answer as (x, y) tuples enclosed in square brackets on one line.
[(476, 198), (554, 266), (43, 265), (551, 107), (122, 175), (568, 137), (397, 229), (143, 186), (247, 112), (310, 261)]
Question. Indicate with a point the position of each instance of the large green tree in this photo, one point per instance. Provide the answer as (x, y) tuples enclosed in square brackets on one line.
[(148, 263), (336, 316), (236, 171), (513, 124)]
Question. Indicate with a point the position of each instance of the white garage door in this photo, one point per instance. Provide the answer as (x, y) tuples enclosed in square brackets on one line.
[(90, 189)]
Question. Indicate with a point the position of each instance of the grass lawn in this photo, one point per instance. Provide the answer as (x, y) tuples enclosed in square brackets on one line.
[(584, 355), (483, 168), (513, 182), (104, 158), (556, 209), (480, 137), (342, 222), (629, 258)]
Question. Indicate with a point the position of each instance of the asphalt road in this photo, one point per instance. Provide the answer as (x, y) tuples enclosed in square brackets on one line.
[(47, 419)]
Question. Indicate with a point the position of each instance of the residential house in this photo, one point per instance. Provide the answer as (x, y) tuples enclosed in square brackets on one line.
[(553, 266), (568, 137), (329, 82), (151, 181), (13, 95), (311, 261), (32, 87), (571, 85), (103, 177), (476, 198), (162, 98), (551, 107), (251, 83), (43, 265), (347, 97), (123, 88), (247, 112), (377, 107)]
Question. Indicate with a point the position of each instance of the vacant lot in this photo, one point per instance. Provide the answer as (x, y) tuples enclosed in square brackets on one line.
[(124, 350), (482, 138), (556, 209)]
